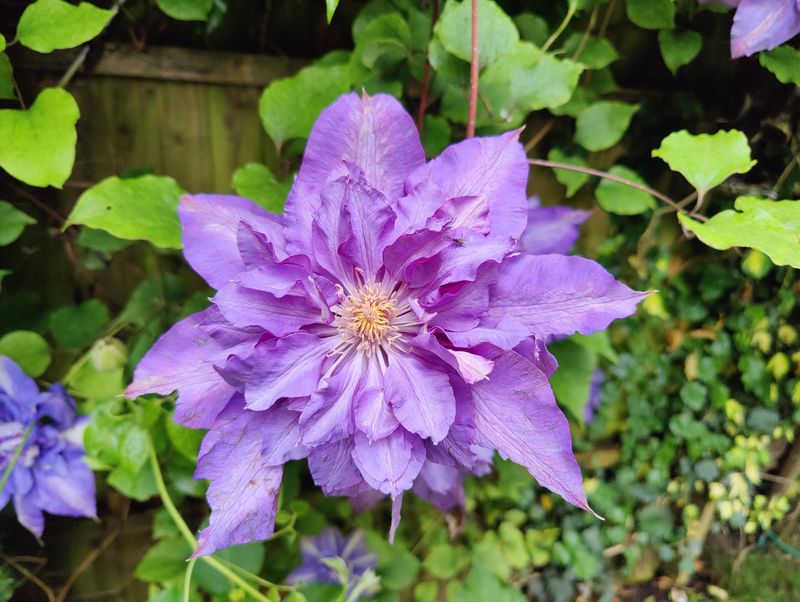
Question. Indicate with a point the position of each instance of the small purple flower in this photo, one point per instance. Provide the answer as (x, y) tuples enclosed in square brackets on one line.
[(331, 544), (595, 390), (384, 328), (50, 474), (761, 24)]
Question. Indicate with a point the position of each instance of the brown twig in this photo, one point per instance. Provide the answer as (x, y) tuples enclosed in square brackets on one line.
[(29, 576), (608, 176), (538, 136), (87, 562), (473, 74), (426, 75)]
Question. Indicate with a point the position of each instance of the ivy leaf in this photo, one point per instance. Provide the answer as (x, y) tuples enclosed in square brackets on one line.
[(6, 79), (498, 34), (28, 349), (186, 10), (679, 48), (602, 124), (78, 325), (772, 227), (143, 208), (622, 199), (48, 25), (652, 14), (257, 183), (289, 106), (573, 180), (12, 223), (330, 8), (706, 160), (165, 560), (532, 28), (783, 62), (597, 53), (39, 143)]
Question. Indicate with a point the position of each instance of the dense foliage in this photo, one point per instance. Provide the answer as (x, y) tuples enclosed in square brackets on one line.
[(691, 455)]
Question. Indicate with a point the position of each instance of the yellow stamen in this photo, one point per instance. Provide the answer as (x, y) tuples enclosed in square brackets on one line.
[(364, 318)]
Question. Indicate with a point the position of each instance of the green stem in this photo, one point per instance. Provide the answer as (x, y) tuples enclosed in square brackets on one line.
[(561, 27), (187, 579), (187, 533), (13, 462)]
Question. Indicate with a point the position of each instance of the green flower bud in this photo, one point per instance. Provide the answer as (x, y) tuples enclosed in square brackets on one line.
[(108, 354)]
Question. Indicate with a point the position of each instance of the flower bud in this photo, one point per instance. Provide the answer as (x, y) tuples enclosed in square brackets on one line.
[(108, 354)]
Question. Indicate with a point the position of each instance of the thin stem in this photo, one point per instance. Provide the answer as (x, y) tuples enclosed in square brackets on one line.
[(785, 174), (554, 36), (603, 174), (29, 576), (187, 580), (187, 533), (73, 68), (426, 75), (17, 453), (585, 38), (473, 74), (538, 136)]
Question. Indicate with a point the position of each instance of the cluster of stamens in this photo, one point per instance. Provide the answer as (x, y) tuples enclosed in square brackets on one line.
[(365, 319)]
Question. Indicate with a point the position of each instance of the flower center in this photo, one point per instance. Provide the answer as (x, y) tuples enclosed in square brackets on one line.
[(365, 318)]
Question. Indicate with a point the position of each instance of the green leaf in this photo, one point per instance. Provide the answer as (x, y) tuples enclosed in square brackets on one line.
[(28, 349), (2, 43), (597, 53), (532, 28), (482, 585), (186, 441), (525, 80), (140, 485), (164, 561), (48, 25), (186, 10), (622, 199), (143, 208), (257, 183), (7, 91), (435, 135), (249, 557), (679, 48), (289, 106), (498, 34), (330, 8), (706, 160), (39, 143), (652, 14), (772, 227), (103, 242), (784, 62), (90, 383), (76, 326), (384, 42), (12, 223), (445, 561), (573, 379), (602, 124), (573, 180)]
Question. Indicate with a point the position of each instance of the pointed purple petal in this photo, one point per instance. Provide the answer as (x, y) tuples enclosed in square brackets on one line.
[(373, 132), (244, 307), (763, 25), (281, 433), (329, 413), (287, 367), (373, 416), (557, 295), (210, 223), (441, 485), (333, 468), (420, 395), (516, 413), (552, 230), (183, 359), (243, 494), (391, 464)]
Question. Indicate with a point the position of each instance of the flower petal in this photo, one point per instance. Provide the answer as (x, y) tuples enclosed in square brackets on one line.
[(287, 367), (516, 413), (557, 295), (333, 468), (761, 25), (552, 229), (373, 132), (441, 485), (372, 413), (329, 413), (243, 493), (420, 395), (391, 464), (210, 224), (69, 491), (281, 433), (245, 307), (183, 359), (495, 167), (20, 389)]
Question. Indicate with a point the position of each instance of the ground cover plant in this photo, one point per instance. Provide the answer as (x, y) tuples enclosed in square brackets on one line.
[(505, 307)]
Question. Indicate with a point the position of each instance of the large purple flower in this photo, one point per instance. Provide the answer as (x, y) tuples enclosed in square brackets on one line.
[(761, 24), (328, 545), (42, 437), (384, 328)]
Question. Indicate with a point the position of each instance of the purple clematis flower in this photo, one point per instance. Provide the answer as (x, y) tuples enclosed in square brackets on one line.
[(384, 327), (49, 474), (328, 545), (761, 24), (551, 229)]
